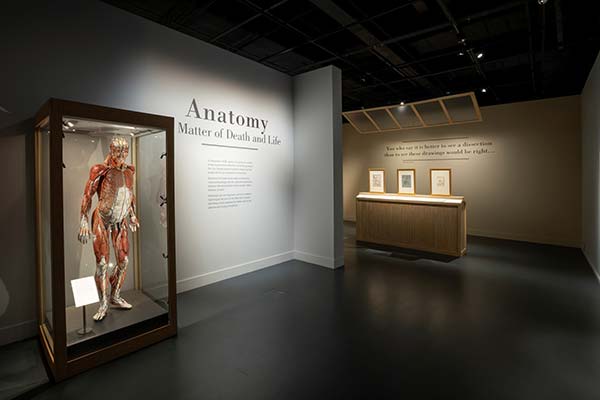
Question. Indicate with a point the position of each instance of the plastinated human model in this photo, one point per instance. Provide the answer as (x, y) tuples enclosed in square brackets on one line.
[(112, 181)]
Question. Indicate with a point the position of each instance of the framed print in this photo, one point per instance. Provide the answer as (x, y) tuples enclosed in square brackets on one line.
[(376, 180), (440, 182), (406, 181)]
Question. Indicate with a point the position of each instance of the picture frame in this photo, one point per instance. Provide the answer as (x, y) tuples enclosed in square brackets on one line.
[(376, 180), (440, 181), (406, 181)]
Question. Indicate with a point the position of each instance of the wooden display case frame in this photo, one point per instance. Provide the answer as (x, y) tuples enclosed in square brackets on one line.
[(54, 346)]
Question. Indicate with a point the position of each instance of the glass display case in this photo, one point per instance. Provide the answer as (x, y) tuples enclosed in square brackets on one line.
[(105, 236)]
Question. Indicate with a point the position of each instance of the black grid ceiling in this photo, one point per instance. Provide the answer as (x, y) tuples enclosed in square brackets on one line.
[(393, 51)]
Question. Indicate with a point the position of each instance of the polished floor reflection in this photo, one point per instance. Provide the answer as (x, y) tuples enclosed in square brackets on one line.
[(508, 321)]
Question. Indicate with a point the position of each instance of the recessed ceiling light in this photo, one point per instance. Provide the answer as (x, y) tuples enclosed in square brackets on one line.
[(460, 53), (401, 103), (479, 55), (484, 90)]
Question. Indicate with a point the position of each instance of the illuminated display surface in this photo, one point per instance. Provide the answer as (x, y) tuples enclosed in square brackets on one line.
[(411, 199)]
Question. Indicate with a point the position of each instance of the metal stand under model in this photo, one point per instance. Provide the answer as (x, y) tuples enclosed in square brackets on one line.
[(85, 330)]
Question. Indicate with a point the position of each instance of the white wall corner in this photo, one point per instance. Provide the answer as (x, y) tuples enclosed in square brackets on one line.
[(318, 225), (592, 265), (194, 282), (327, 262)]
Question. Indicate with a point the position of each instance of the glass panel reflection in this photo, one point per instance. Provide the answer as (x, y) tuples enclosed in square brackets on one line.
[(45, 235), (461, 109), (432, 113), (406, 117), (383, 119), (115, 229), (360, 120)]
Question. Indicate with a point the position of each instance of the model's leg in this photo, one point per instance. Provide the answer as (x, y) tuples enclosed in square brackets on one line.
[(101, 250), (121, 246)]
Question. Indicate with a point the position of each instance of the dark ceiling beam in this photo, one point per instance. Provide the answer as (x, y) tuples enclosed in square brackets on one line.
[(338, 30), (469, 51), (559, 24), (413, 35), (444, 72), (543, 49), (178, 14), (253, 38), (427, 75), (336, 56), (379, 50), (248, 20), (454, 51), (135, 9), (531, 53)]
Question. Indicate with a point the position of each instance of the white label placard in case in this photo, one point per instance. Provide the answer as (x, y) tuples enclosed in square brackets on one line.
[(84, 291)]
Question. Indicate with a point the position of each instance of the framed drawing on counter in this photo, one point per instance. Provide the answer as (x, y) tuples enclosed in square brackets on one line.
[(440, 182), (376, 180), (406, 181)]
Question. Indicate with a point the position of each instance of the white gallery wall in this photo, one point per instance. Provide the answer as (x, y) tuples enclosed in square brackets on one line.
[(95, 53), (318, 168), (590, 132), (520, 171)]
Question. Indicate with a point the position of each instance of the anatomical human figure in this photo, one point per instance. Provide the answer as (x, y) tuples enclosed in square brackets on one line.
[(112, 181)]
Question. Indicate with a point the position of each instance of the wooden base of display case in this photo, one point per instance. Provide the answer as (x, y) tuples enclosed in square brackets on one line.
[(425, 223)]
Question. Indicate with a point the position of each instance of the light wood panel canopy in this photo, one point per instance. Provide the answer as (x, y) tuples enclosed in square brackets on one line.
[(448, 110)]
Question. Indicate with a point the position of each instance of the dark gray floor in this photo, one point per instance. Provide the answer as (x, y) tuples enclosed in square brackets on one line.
[(21, 369), (508, 321)]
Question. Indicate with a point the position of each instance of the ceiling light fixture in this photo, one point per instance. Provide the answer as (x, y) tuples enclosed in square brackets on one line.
[(542, 2), (480, 55), (484, 90), (401, 103)]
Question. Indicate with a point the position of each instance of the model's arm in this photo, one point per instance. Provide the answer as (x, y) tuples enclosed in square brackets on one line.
[(134, 223), (91, 186)]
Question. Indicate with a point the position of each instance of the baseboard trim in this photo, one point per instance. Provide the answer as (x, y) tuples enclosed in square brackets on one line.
[(327, 262), (194, 282), (524, 238), (19, 331)]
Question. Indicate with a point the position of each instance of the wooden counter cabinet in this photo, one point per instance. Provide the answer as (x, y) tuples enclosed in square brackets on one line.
[(425, 223)]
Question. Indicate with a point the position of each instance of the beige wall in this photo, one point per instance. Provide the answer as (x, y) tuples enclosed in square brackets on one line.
[(528, 189)]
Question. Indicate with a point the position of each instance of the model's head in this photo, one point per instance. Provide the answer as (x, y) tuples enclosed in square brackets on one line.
[(119, 149)]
